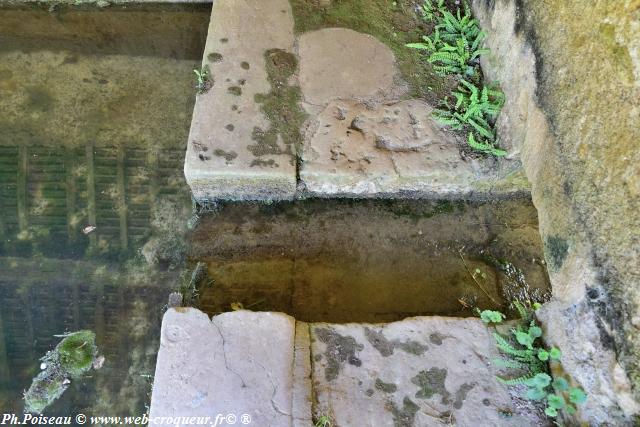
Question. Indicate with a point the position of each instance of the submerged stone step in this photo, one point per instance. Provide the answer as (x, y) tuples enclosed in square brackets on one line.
[(422, 371), (237, 149)]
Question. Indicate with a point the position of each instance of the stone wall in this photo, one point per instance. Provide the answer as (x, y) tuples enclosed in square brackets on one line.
[(571, 74)]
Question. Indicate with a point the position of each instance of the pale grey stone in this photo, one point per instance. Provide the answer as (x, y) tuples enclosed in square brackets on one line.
[(342, 63), (357, 149), (219, 163), (398, 374), (237, 363)]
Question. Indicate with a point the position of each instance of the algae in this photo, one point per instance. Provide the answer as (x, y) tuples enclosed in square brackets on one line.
[(281, 106), (75, 355)]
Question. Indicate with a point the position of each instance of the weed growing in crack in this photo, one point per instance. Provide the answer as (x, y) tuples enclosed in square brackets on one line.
[(203, 79)]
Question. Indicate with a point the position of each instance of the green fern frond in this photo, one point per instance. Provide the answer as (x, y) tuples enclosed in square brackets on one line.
[(515, 381)]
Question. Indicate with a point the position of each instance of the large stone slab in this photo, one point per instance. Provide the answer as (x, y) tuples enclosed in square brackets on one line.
[(364, 149), (424, 371), (225, 159), (238, 363)]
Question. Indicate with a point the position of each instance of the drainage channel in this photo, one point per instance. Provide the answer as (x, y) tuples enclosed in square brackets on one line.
[(370, 261)]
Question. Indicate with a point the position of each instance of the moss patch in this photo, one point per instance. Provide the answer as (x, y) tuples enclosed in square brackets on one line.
[(431, 382), (214, 57), (281, 106), (556, 249), (385, 387), (405, 416), (340, 350), (235, 90), (71, 359), (393, 23)]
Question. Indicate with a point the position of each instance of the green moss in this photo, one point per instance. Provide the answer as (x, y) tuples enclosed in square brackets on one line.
[(385, 387), (71, 358), (235, 90), (556, 249), (214, 57), (77, 352), (281, 106), (393, 23)]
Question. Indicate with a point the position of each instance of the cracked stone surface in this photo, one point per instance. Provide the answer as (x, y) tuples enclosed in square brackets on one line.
[(237, 363), (423, 371), (219, 163), (364, 149)]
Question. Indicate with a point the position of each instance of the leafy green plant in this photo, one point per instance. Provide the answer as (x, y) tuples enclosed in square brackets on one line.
[(203, 79), (454, 48), (475, 110), (323, 421), (525, 353), (455, 43), (429, 11)]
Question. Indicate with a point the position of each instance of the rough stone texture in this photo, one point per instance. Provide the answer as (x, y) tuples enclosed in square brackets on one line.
[(572, 109), (219, 163), (238, 363), (357, 149), (301, 410), (423, 371), (342, 63)]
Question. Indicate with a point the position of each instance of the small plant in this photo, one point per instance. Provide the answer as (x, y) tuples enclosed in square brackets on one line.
[(203, 79), (475, 110), (455, 43), (525, 353), (454, 48), (75, 355), (323, 421), (429, 11)]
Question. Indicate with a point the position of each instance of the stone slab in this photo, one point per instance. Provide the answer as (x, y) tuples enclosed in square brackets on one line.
[(237, 363), (424, 371), (358, 149), (219, 163), (338, 63)]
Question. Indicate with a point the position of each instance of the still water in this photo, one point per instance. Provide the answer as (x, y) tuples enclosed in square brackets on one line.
[(95, 108)]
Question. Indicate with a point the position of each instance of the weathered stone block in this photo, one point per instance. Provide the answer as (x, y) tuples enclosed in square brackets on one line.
[(237, 363), (228, 156)]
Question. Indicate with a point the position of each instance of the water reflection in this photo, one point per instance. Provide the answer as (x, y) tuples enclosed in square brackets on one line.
[(95, 107)]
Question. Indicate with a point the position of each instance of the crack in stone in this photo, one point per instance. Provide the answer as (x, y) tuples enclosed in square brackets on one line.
[(224, 355), (275, 390)]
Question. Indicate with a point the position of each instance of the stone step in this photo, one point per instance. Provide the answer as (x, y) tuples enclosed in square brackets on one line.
[(324, 113), (422, 371), (236, 150)]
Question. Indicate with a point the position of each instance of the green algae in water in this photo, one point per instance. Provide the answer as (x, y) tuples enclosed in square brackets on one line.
[(70, 360)]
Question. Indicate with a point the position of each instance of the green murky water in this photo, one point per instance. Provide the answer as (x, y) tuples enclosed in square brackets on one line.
[(95, 108), (370, 261)]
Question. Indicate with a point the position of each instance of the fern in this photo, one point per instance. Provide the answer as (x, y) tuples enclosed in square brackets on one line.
[(515, 381)]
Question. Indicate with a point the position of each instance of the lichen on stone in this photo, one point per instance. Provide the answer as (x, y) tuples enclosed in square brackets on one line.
[(431, 382), (281, 107), (340, 350)]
